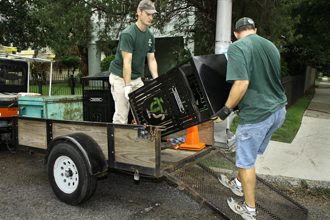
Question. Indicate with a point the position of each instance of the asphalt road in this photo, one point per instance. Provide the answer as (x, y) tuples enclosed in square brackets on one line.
[(25, 193)]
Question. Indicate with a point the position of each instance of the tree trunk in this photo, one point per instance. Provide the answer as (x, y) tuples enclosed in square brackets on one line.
[(84, 64)]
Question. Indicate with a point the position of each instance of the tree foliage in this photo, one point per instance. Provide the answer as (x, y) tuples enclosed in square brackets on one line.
[(71, 62), (272, 17), (313, 27), (18, 27), (66, 24), (196, 19), (68, 27)]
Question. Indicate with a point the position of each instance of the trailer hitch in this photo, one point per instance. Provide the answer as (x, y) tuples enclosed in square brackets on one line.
[(145, 133)]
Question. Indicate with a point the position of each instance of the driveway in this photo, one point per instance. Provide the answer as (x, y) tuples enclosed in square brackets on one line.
[(26, 194)]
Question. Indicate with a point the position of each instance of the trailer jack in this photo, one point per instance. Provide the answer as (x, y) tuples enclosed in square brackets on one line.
[(136, 177)]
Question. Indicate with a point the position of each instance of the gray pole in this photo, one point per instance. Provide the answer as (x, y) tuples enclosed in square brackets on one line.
[(222, 135), (223, 28)]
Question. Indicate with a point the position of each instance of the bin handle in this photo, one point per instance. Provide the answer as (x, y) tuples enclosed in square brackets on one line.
[(22, 111)]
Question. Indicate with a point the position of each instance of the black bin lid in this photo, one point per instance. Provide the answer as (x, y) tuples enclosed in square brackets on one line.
[(99, 76)]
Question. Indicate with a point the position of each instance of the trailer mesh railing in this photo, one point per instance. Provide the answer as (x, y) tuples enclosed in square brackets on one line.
[(201, 179)]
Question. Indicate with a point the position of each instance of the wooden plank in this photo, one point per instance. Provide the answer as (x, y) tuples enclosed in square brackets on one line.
[(99, 134), (205, 131), (129, 151), (170, 156), (32, 133)]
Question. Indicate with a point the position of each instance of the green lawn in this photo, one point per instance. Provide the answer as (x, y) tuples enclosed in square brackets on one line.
[(291, 125), (60, 89), (318, 80)]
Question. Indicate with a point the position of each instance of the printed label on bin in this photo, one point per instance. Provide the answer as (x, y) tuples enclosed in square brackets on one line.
[(96, 99), (155, 109)]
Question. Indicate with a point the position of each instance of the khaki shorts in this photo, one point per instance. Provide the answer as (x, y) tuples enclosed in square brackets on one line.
[(121, 103)]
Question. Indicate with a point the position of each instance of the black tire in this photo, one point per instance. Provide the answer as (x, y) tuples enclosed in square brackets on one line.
[(68, 174)]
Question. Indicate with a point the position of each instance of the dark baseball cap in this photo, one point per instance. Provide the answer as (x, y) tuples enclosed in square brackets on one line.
[(148, 6), (244, 21)]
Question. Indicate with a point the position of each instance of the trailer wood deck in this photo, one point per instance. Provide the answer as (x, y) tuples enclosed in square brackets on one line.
[(122, 145)]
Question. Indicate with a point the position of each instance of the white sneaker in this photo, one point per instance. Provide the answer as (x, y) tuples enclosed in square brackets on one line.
[(231, 184), (240, 208)]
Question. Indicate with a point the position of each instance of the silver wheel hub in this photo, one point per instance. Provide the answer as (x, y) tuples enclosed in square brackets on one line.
[(66, 174)]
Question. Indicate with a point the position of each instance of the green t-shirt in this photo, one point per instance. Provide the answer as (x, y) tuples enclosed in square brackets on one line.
[(137, 42), (257, 60)]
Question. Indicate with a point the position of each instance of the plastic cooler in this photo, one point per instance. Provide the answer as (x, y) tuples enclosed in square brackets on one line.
[(51, 107), (186, 95)]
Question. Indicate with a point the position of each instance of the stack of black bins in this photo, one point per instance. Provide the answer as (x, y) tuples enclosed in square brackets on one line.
[(186, 95)]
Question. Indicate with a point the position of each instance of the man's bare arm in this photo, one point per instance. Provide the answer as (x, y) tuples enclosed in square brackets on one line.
[(127, 67), (237, 92), (152, 64)]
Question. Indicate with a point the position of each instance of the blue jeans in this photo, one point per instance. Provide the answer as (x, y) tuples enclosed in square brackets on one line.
[(253, 139)]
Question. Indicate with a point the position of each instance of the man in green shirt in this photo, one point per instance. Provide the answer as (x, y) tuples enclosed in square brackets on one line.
[(136, 43), (254, 68)]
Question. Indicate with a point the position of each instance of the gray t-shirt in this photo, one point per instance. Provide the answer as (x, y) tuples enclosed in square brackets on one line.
[(257, 60)]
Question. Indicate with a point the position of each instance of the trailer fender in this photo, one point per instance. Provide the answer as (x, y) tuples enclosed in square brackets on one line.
[(89, 148)]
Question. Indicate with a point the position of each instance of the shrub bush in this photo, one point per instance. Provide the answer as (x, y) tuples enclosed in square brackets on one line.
[(105, 63)]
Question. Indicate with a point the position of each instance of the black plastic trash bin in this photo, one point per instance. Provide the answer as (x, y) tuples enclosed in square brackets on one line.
[(186, 95), (98, 104)]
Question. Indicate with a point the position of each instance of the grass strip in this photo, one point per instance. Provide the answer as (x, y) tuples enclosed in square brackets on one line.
[(318, 80), (287, 132), (304, 190)]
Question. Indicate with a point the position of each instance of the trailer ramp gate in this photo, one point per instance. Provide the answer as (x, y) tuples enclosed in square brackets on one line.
[(200, 178)]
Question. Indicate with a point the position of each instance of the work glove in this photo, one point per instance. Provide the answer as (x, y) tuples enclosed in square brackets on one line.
[(128, 90), (222, 114)]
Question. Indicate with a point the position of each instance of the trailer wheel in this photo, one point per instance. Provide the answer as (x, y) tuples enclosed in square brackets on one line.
[(68, 174)]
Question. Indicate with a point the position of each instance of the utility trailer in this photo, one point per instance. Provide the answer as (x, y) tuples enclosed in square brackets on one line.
[(76, 152)]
